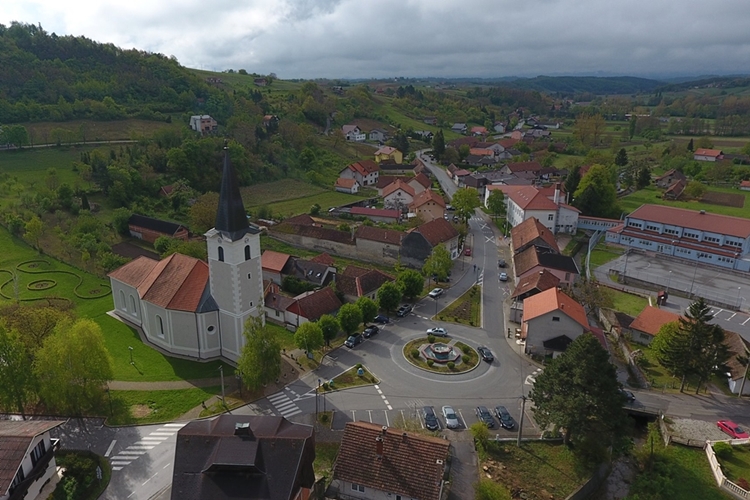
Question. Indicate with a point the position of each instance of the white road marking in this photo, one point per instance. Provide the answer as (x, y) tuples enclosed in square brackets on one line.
[(118, 468), (158, 439), (117, 462), (141, 447), (462, 418), (149, 479), (179, 426), (147, 443), (162, 434), (111, 445), (382, 396), (354, 416), (369, 412), (748, 319), (170, 463), (386, 419), (489, 240), (732, 316), (127, 452)]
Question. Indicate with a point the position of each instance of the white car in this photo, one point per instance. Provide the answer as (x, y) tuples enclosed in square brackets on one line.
[(451, 420), (438, 332), (435, 293)]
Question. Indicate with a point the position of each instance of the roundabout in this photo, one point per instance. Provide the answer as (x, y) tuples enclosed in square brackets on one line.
[(446, 358)]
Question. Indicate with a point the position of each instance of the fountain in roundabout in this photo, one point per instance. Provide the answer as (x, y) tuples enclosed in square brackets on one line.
[(440, 352)]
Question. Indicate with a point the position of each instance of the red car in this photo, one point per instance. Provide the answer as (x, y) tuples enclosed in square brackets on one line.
[(467, 252), (732, 429)]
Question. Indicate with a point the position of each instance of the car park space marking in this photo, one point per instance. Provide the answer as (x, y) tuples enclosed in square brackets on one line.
[(463, 420), (111, 445), (748, 319), (732, 316), (369, 412)]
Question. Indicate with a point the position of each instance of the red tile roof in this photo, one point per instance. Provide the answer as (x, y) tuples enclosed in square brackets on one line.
[(426, 196), (714, 223), (395, 186), (525, 166), (357, 281), (134, 272), (651, 319), (386, 180), (437, 231), (324, 258), (708, 152), (481, 152), (375, 212), (385, 150), (554, 300), (410, 465), (313, 305), (745, 184), (423, 180), (508, 143), (528, 231), (541, 281), (529, 198), (15, 440), (390, 236), (345, 183), (274, 261)]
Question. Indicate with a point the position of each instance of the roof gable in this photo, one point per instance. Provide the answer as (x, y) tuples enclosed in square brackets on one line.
[(395, 186), (274, 261), (541, 281), (315, 304), (554, 300), (530, 230), (15, 439), (134, 272), (651, 319), (708, 152), (158, 225), (164, 285), (426, 196), (437, 231)]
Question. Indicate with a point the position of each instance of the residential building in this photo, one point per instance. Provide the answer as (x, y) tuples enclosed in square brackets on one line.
[(535, 283), (273, 265), (499, 127), (356, 282), (149, 229), (365, 172), (745, 185), (459, 176), (244, 457), (425, 135), (428, 205), (699, 236), (478, 130), (738, 348), (388, 153), (674, 191), (377, 244), (545, 204), (353, 133), (348, 186), (668, 178), (310, 306), (647, 324), (203, 124), (524, 166), (377, 214), (535, 259), (531, 232), (377, 462), (459, 128), (309, 271), (419, 183), (430, 120), (191, 308), (551, 321), (398, 195), (260, 82), (386, 180), (704, 154), (27, 457), (418, 243), (378, 135)]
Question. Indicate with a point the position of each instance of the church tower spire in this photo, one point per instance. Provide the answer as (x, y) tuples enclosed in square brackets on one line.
[(231, 219)]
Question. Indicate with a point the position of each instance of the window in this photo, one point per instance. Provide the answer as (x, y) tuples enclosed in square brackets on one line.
[(160, 326), (551, 217), (20, 476), (221, 254), (132, 305), (567, 276), (123, 302), (555, 318), (37, 453), (211, 330), (247, 252), (249, 276), (358, 487)]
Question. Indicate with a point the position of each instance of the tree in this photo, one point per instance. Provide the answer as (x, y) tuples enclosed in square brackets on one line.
[(438, 145), (708, 351), (596, 194), (410, 282), (695, 190), (621, 159), (690, 145), (120, 219), (389, 296), (573, 179), (588, 129), (579, 392), (672, 348), (34, 228), (203, 213), (644, 177), (18, 385), (330, 327), (496, 203), (465, 200), (350, 317), (73, 367), (632, 126), (591, 296), (368, 308), (33, 323), (309, 336), (438, 264), (260, 358), (16, 135)]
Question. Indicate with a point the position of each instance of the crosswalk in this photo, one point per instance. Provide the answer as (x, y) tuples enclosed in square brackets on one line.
[(131, 453), (283, 404)]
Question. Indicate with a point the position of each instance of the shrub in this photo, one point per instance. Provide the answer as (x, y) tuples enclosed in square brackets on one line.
[(325, 386), (324, 418), (723, 450), (466, 349), (742, 483), (415, 353), (465, 358), (358, 366), (430, 363), (451, 365), (431, 339)]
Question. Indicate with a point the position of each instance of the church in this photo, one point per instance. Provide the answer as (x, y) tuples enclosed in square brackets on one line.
[(191, 308)]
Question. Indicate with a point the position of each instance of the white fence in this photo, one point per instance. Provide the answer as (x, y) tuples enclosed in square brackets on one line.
[(721, 480)]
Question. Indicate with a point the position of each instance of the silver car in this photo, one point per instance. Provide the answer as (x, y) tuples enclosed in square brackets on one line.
[(451, 420)]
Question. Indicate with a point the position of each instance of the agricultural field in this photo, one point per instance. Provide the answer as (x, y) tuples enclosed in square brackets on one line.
[(90, 130), (326, 200), (277, 191), (652, 194)]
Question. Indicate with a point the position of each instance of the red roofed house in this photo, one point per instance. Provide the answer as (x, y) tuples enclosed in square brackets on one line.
[(189, 307), (388, 153), (348, 186), (745, 185), (525, 202), (377, 214), (531, 232), (398, 195), (310, 306), (27, 457), (353, 133), (551, 321), (418, 243), (535, 283), (428, 205), (365, 172), (478, 130), (273, 264), (646, 325), (419, 183), (376, 462), (356, 282), (378, 244), (703, 154)]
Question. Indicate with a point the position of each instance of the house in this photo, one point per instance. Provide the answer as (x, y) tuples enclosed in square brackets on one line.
[(525, 166), (719, 240), (419, 183), (378, 244), (545, 204), (273, 265), (365, 172), (745, 185), (324, 258), (668, 178), (551, 321), (244, 457), (458, 177), (149, 229), (424, 135), (203, 124), (260, 82), (531, 232), (477, 181), (418, 243), (647, 324), (167, 190), (499, 127), (377, 214), (459, 128), (704, 154), (481, 152), (377, 462), (674, 191), (535, 259), (315, 273), (276, 305), (27, 457), (398, 195), (386, 180), (390, 167), (378, 135), (428, 205), (535, 283), (348, 186), (495, 147), (353, 133), (478, 131), (310, 306), (270, 121), (356, 282), (192, 308), (737, 347), (388, 153), (430, 120)]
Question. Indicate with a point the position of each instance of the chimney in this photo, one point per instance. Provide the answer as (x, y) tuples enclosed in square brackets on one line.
[(385, 428), (242, 429), (379, 446), (403, 437), (557, 193)]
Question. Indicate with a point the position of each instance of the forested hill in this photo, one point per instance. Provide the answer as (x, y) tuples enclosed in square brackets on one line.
[(50, 77), (585, 84)]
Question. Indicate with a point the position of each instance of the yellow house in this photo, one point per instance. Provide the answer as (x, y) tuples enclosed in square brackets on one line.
[(387, 153)]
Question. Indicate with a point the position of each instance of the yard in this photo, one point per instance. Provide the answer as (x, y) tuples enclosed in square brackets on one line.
[(143, 407), (737, 465), (326, 200), (276, 191), (603, 253), (350, 378), (657, 375), (466, 310), (628, 303)]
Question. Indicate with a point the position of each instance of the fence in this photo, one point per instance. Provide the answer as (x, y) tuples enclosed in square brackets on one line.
[(721, 480), (593, 241)]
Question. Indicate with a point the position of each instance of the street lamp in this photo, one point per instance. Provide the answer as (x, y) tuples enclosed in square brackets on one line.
[(131, 354), (669, 280), (739, 303), (693, 282)]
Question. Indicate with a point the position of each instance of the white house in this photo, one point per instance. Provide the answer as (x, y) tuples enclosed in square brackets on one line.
[(365, 172), (353, 133), (546, 204), (349, 186), (378, 135), (203, 124), (551, 321), (704, 154), (398, 195)]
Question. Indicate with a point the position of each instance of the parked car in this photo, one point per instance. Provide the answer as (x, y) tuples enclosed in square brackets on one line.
[(486, 353), (467, 252), (506, 421), (403, 310), (353, 340), (734, 430), (435, 293), (449, 208), (503, 276), (501, 263), (370, 331), (430, 419), (451, 420), (382, 319), (455, 218), (484, 415), (438, 332), (628, 395)]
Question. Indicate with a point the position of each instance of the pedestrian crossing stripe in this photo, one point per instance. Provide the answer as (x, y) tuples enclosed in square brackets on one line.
[(283, 404)]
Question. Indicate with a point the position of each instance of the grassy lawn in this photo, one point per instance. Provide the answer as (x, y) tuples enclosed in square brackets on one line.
[(603, 253), (350, 379), (44, 132), (273, 192), (437, 367), (326, 200), (628, 303), (325, 455), (284, 336), (142, 407), (657, 375), (541, 470), (465, 310), (738, 465), (652, 194)]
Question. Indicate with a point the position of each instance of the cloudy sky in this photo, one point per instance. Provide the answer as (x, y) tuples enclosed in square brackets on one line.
[(443, 38)]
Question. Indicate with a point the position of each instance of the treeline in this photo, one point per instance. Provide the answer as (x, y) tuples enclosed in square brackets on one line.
[(571, 85)]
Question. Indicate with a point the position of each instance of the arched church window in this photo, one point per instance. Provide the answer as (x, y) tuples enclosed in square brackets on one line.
[(123, 302), (160, 326), (132, 306), (221, 254), (247, 252)]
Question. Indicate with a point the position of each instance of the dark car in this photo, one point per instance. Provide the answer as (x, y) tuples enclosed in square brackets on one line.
[(403, 310), (370, 331), (430, 419), (484, 415), (353, 340), (501, 263), (628, 395), (382, 319), (486, 354), (506, 421)]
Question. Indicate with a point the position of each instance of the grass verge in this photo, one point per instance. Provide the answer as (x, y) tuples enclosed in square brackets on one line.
[(465, 310), (143, 407), (350, 378), (460, 367)]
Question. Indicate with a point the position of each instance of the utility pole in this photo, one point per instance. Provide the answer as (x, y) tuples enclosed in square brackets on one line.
[(520, 421), (317, 394), (221, 373)]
